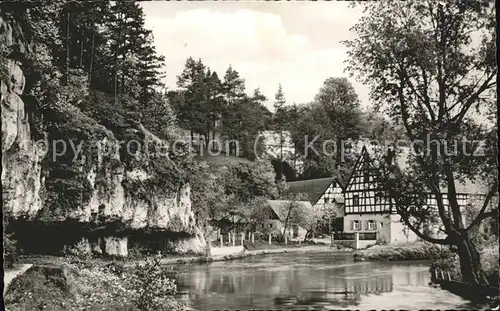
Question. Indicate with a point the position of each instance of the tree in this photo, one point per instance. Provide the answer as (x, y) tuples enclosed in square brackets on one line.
[(292, 212), (158, 116), (209, 200), (341, 104), (428, 65), (234, 93), (279, 118), (378, 128), (215, 104), (190, 107)]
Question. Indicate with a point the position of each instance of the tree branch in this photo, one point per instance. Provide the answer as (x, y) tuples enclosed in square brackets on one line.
[(482, 215), (486, 84), (407, 222)]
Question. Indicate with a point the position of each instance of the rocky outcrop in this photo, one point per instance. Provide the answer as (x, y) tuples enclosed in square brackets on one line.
[(112, 212)]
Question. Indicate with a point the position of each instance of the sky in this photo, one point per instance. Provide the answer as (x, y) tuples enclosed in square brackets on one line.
[(295, 43)]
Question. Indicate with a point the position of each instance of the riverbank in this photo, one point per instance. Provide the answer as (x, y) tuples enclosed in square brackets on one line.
[(245, 253), (402, 251)]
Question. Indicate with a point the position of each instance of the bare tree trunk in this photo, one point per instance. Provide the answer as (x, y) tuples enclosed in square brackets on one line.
[(213, 136), (81, 50), (67, 47), (192, 137), (91, 59)]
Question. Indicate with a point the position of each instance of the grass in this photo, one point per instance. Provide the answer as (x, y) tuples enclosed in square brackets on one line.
[(402, 251)]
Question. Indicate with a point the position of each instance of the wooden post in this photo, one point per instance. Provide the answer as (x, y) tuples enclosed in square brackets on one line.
[(449, 277), (269, 238), (221, 240), (442, 276), (286, 238), (234, 239), (253, 237), (332, 239), (356, 240)]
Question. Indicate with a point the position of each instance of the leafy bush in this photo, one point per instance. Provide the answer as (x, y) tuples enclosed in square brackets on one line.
[(85, 286), (10, 250), (403, 251), (41, 287), (154, 286), (489, 262)]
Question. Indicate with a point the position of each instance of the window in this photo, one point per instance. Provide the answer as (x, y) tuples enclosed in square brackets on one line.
[(378, 197), (371, 225), (381, 224), (270, 225), (366, 176), (355, 200), (355, 225), (326, 200)]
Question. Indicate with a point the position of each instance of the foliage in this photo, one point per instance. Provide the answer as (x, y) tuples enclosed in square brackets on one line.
[(209, 200), (10, 250), (154, 286), (85, 286), (205, 105), (427, 70), (403, 251), (250, 180), (320, 128)]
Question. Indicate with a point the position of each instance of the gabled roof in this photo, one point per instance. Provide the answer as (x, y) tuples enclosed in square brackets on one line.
[(280, 208), (313, 188), (401, 159)]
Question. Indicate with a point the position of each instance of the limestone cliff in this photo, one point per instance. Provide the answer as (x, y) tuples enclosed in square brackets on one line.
[(109, 213)]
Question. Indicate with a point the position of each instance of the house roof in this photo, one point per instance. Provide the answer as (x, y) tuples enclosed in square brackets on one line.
[(313, 188), (279, 207), (401, 158)]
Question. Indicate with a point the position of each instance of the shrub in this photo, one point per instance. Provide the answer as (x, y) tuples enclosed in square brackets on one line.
[(10, 250), (489, 262), (41, 287), (403, 251), (154, 286)]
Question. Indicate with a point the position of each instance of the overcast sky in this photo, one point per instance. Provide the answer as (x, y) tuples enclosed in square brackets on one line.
[(296, 44)]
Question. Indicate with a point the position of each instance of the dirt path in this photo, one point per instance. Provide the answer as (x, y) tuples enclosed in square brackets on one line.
[(9, 275)]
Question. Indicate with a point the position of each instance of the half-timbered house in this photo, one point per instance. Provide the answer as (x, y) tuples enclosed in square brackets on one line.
[(369, 211)]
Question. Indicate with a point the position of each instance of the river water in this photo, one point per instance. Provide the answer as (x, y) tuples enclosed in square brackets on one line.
[(318, 281)]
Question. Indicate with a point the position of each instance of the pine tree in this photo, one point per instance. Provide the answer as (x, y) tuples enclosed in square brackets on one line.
[(234, 94), (280, 118), (192, 84)]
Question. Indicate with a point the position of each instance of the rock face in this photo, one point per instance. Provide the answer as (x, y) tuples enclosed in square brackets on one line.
[(110, 206)]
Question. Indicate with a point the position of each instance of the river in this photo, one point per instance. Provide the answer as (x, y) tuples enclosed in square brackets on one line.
[(319, 281)]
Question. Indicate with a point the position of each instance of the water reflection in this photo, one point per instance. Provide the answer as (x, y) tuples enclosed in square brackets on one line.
[(320, 280)]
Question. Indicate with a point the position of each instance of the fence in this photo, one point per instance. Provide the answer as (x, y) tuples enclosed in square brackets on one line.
[(466, 290), (355, 240), (217, 239)]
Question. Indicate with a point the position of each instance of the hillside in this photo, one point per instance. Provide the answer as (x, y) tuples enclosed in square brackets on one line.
[(74, 157)]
